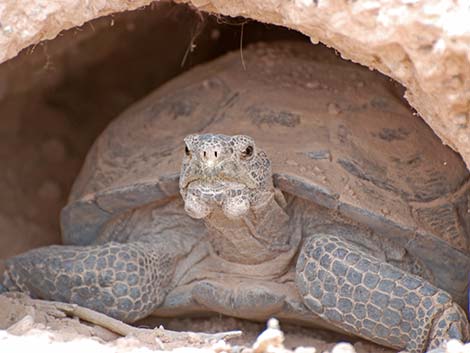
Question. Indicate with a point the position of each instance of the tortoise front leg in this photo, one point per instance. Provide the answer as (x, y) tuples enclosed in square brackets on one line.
[(373, 299), (125, 281)]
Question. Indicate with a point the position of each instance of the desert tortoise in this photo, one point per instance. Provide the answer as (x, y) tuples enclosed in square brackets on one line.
[(339, 210)]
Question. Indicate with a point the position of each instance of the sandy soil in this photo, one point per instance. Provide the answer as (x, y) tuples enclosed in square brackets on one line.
[(20, 315)]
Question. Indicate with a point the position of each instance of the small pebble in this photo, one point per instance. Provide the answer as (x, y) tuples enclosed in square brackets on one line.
[(313, 84), (270, 339), (455, 346), (305, 350), (22, 326), (8, 29), (221, 346), (343, 347), (461, 119), (333, 109)]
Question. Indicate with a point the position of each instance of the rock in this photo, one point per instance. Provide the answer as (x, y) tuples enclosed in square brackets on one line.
[(455, 346), (22, 326), (271, 339), (343, 347), (333, 109), (302, 349)]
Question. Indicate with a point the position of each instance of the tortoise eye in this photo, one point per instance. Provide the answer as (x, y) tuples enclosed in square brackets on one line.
[(248, 152), (186, 150)]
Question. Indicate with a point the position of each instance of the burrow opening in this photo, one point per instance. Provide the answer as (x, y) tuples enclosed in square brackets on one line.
[(59, 95)]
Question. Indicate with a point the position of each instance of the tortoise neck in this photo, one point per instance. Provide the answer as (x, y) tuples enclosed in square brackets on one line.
[(259, 236)]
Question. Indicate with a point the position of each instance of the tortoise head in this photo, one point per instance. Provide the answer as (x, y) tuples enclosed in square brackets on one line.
[(227, 172)]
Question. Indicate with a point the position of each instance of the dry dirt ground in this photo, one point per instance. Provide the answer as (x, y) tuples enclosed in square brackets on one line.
[(54, 100), (22, 316)]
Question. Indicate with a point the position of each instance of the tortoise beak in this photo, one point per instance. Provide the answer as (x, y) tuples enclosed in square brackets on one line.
[(211, 171)]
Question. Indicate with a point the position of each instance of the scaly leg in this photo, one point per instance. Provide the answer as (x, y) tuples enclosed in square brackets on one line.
[(372, 299), (125, 281)]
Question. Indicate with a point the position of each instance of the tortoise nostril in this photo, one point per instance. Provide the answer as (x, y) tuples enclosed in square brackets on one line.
[(210, 154)]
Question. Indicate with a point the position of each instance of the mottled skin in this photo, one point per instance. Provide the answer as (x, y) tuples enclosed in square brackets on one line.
[(157, 257)]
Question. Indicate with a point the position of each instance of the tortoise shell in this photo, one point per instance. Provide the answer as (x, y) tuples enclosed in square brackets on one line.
[(338, 134)]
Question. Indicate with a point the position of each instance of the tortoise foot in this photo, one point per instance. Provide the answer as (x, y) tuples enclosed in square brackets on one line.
[(124, 281), (449, 324), (372, 299)]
